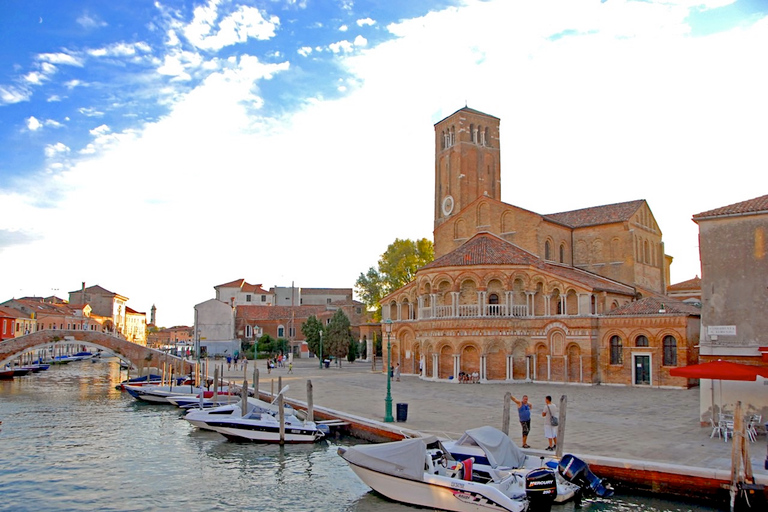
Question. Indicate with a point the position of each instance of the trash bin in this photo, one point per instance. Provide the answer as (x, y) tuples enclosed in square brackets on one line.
[(402, 412)]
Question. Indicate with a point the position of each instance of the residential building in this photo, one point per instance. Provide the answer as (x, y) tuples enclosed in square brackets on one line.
[(573, 297), (733, 246), (104, 303), (241, 293)]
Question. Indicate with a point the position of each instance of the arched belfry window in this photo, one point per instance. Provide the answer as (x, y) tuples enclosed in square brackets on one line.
[(453, 136), (641, 341), (562, 253), (547, 250)]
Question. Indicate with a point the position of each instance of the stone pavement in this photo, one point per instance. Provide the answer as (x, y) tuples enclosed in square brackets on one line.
[(644, 424)]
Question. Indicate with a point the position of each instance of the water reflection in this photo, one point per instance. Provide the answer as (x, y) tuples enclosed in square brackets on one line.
[(71, 442)]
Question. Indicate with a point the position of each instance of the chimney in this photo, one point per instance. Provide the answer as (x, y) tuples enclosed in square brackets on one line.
[(82, 294)]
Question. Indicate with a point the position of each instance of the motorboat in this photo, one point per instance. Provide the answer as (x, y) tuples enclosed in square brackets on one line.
[(260, 423), (496, 456), (160, 394), (6, 374), (209, 399), (153, 379), (419, 471)]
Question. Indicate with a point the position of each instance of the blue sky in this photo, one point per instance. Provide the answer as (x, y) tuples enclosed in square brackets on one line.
[(161, 148)]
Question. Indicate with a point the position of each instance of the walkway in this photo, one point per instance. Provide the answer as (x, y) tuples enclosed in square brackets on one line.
[(658, 425)]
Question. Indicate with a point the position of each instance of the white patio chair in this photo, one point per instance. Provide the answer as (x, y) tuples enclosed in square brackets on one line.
[(715, 429), (752, 423), (726, 427)]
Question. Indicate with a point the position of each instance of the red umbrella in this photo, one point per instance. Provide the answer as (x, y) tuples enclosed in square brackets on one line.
[(720, 370)]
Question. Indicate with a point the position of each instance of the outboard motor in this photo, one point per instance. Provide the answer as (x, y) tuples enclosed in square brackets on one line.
[(577, 471), (541, 489)]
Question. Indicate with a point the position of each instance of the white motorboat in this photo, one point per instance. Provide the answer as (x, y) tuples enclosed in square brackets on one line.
[(160, 394), (496, 456), (209, 399), (419, 471), (260, 423)]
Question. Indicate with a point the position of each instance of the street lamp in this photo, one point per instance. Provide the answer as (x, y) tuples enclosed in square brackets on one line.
[(388, 401), (321, 350)]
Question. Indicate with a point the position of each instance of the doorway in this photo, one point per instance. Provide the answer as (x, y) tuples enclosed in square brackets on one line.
[(642, 370)]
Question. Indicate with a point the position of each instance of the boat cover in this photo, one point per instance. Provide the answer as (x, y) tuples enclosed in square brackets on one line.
[(497, 445), (404, 459)]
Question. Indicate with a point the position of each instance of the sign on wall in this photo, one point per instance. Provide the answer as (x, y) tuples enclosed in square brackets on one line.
[(721, 330)]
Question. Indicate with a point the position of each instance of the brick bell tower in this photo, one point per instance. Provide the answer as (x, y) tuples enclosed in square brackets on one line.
[(467, 161)]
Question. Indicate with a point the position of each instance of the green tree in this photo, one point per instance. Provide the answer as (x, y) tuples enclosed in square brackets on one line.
[(338, 335), (311, 330), (267, 344), (397, 267)]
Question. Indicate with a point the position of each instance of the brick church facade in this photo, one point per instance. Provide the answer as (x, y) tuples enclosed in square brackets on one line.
[(573, 297)]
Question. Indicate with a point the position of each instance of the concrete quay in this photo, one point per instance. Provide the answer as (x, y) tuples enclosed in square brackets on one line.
[(630, 429)]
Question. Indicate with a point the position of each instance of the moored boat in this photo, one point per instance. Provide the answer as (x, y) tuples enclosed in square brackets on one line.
[(419, 471), (260, 423), (496, 455)]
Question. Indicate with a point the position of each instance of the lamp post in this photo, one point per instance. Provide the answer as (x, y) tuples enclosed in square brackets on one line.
[(388, 401), (321, 350)]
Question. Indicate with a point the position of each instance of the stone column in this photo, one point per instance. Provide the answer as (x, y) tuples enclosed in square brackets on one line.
[(454, 304), (481, 303)]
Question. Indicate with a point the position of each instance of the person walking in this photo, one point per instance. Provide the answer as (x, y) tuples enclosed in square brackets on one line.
[(550, 429), (397, 373), (290, 367), (524, 413)]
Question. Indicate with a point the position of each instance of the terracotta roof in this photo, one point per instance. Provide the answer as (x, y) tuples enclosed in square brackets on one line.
[(488, 249), (691, 284), (653, 306), (234, 284), (278, 312), (7, 312), (756, 205), (243, 286), (466, 109), (596, 215)]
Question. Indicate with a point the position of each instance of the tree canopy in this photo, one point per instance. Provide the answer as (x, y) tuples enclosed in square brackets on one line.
[(338, 335), (397, 267), (311, 330)]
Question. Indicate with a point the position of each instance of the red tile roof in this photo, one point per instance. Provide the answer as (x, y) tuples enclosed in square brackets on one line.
[(488, 249), (691, 284), (596, 215), (653, 306), (243, 286), (756, 205)]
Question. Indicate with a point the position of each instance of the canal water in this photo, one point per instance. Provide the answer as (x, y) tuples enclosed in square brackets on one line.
[(69, 441)]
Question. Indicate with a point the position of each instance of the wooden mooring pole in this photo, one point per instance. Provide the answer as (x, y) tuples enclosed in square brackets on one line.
[(561, 427), (310, 402), (505, 414)]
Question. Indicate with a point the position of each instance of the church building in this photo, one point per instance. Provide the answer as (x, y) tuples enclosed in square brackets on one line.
[(513, 295)]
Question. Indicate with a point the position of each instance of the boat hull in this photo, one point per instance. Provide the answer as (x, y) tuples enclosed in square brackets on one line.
[(439, 492)]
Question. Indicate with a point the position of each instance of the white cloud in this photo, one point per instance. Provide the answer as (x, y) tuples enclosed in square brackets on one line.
[(33, 124), (120, 50), (365, 22), (64, 59), (239, 26), (304, 51), (343, 28), (52, 150), (341, 46), (87, 20), (10, 94)]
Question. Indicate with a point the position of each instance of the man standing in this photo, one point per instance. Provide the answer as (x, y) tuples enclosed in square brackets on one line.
[(550, 431), (524, 412)]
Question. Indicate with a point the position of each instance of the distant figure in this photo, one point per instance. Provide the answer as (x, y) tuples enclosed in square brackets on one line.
[(397, 372), (229, 362), (524, 413), (290, 367), (245, 364), (550, 431)]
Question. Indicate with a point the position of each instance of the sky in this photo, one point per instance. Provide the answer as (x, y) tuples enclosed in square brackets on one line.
[(159, 149)]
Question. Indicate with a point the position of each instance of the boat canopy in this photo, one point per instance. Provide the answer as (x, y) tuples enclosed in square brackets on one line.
[(497, 445), (403, 459)]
